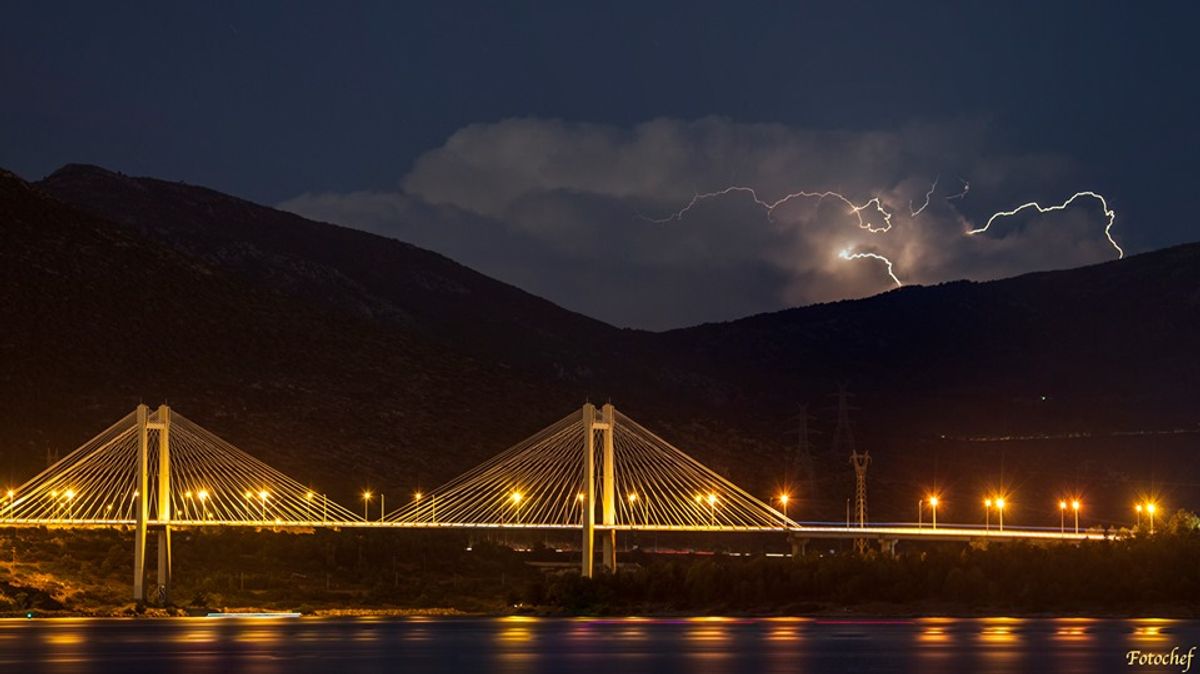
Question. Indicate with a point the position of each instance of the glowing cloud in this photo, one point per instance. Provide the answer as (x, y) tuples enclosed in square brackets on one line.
[(556, 208)]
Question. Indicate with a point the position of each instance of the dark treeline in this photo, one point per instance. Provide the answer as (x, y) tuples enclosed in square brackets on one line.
[(90, 572)]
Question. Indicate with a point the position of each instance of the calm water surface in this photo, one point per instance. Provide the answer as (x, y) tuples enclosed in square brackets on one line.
[(612, 646)]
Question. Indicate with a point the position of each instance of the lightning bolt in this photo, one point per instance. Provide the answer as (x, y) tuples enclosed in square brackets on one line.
[(1109, 214), (886, 216), (845, 254), (770, 206), (966, 187), (928, 195)]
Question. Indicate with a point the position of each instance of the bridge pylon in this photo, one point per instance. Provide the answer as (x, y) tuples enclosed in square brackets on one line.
[(588, 508), (160, 421), (608, 489), (609, 486)]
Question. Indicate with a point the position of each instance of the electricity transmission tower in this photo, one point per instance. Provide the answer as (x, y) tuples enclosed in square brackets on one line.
[(843, 438), (801, 464)]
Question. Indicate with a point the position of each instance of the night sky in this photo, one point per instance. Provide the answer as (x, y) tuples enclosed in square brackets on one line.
[(548, 144)]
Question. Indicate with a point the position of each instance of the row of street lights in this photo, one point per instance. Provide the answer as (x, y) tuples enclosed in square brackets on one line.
[(996, 502)]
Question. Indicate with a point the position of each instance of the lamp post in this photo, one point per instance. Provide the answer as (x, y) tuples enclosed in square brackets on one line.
[(632, 505), (1075, 505), (783, 501), (263, 495), (203, 496), (366, 497), (1000, 509), (933, 504), (1150, 508), (1062, 517), (987, 514), (516, 499), (1138, 508), (712, 508), (920, 513)]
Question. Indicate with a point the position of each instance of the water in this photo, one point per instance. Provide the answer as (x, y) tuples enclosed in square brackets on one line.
[(612, 646)]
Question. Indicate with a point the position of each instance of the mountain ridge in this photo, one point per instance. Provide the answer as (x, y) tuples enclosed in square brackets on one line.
[(311, 328)]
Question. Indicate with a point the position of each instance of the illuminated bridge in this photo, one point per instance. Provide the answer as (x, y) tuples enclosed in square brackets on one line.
[(595, 471)]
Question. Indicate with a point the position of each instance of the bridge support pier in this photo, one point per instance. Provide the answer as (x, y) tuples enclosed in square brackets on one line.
[(164, 565), (888, 546), (799, 546)]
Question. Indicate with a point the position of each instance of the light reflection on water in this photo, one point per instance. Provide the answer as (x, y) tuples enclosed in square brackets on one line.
[(609, 645)]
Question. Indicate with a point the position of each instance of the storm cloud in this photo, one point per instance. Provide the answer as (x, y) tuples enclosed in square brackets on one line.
[(612, 221)]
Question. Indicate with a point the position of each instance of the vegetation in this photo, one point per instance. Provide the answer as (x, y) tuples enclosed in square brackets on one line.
[(88, 572)]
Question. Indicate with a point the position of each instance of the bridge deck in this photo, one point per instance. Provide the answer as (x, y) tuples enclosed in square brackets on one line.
[(810, 530)]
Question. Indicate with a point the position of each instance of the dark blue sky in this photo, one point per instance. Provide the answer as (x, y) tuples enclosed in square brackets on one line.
[(270, 100)]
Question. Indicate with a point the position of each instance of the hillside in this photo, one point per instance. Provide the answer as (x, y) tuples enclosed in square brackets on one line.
[(345, 357)]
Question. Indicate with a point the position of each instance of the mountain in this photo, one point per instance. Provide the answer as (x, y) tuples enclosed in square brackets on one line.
[(338, 356), (349, 359)]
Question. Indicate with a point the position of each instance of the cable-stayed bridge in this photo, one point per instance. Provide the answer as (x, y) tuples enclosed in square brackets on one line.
[(595, 471)]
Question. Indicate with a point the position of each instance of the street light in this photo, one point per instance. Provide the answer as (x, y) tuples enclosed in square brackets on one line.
[(263, 495), (933, 504), (987, 516), (516, 500), (1150, 508), (712, 508), (1075, 504), (1000, 508), (366, 497), (203, 496), (783, 500), (1138, 508)]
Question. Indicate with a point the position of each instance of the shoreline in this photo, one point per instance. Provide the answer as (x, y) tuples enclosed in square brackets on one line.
[(856, 613)]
